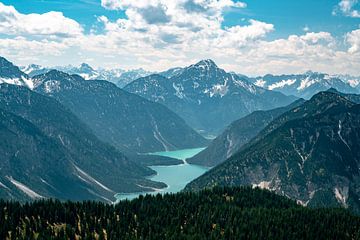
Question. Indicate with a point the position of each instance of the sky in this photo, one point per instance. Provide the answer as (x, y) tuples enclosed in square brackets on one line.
[(252, 37)]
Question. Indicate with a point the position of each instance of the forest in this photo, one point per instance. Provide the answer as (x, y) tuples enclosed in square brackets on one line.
[(218, 213)]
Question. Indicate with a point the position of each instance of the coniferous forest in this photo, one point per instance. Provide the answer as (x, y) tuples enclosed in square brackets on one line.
[(220, 213)]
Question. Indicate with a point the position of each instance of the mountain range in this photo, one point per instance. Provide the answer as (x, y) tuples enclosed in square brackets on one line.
[(46, 151), (118, 76), (308, 84), (309, 153), (207, 97), (124, 120), (127, 121)]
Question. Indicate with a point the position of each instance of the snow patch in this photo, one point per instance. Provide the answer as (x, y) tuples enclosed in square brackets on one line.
[(13, 81), (260, 83), (302, 203), (179, 90), (52, 86), (22, 187), (341, 195), (305, 83), (282, 84), (262, 185), (230, 146), (339, 133), (354, 82), (219, 89), (28, 82), (48, 184), (4, 186), (159, 137), (249, 87), (89, 179)]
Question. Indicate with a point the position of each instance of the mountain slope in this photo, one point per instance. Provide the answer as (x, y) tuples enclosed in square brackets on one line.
[(206, 96), (236, 135), (46, 150), (122, 119), (11, 74), (309, 153), (303, 85)]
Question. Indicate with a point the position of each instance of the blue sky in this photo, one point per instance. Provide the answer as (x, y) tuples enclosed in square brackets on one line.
[(252, 37)]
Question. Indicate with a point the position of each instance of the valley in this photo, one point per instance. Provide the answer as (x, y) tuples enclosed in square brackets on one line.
[(174, 176), (179, 120)]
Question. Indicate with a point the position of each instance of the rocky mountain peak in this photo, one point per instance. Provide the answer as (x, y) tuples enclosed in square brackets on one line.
[(206, 64), (84, 67)]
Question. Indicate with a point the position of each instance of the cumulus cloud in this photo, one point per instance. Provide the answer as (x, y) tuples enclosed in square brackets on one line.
[(52, 23), (353, 38), (159, 34), (346, 7)]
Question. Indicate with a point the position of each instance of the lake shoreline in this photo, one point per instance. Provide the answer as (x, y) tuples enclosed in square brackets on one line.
[(174, 176)]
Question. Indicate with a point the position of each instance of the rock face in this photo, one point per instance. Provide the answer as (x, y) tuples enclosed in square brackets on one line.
[(306, 85), (207, 97), (310, 153), (11, 74), (125, 120), (46, 151), (236, 135)]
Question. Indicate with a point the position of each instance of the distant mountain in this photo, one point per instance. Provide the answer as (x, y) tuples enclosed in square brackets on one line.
[(125, 120), (351, 80), (118, 76), (207, 97), (310, 153), (130, 76), (236, 135), (34, 69), (11, 74), (46, 151), (303, 85)]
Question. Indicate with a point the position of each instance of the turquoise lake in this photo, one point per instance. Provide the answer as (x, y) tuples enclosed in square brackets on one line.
[(175, 176)]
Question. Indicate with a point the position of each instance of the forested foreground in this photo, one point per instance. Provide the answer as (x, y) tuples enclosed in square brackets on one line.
[(221, 213)]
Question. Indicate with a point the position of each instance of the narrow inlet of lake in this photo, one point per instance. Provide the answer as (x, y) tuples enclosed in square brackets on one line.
[(174, 176)]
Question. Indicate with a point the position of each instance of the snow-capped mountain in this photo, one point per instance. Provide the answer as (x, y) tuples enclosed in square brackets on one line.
[(304, 85), (207, 97), (11, 74), (351, 80), (118, 76), (34, 69)]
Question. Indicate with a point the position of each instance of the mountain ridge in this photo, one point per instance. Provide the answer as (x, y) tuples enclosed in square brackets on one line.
[(291, 156)]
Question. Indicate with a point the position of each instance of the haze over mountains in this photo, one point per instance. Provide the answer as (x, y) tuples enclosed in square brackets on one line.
[(118, 76), (98, 134)]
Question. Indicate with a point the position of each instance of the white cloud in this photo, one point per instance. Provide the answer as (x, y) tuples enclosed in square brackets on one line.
[(52, 23), (306, 29), (159, 34), (353, 38), (346, 7)]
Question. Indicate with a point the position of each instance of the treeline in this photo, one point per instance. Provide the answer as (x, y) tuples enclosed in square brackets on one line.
[(220, 213)]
